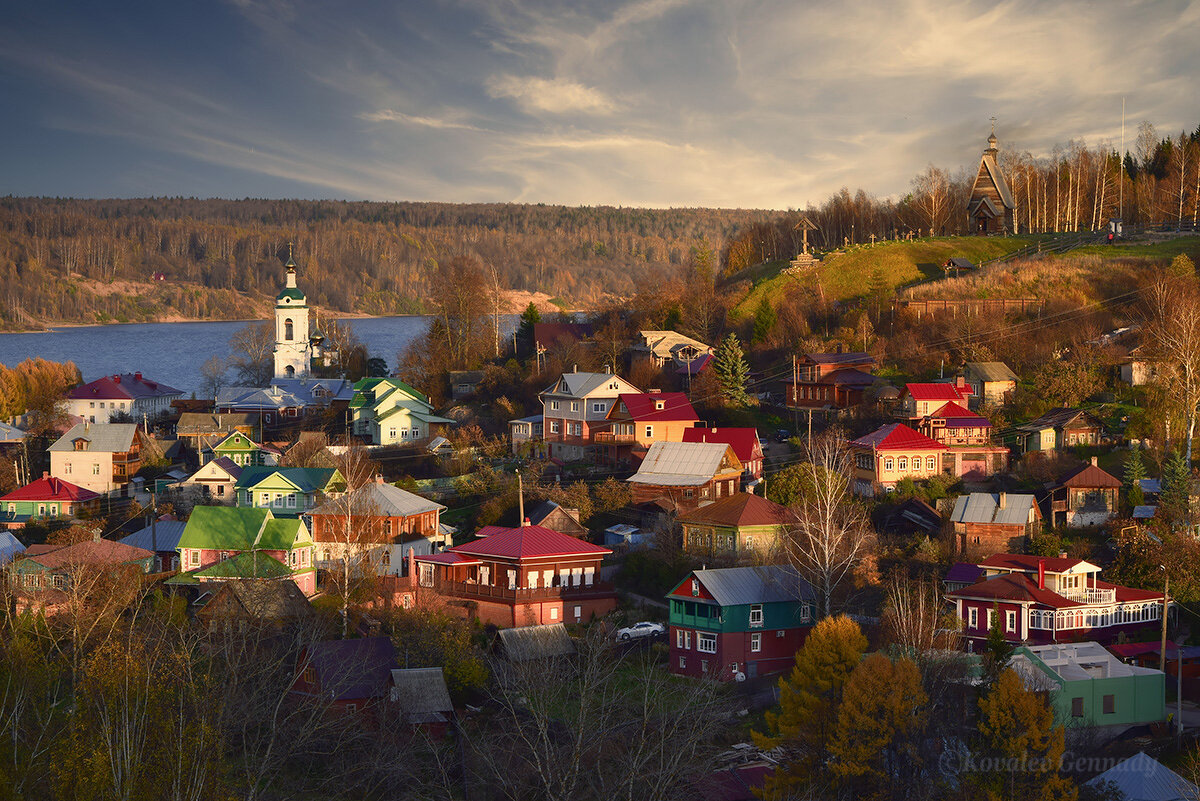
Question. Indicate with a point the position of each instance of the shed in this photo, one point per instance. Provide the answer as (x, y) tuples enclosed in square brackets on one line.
[(536, 642), (421, 695)]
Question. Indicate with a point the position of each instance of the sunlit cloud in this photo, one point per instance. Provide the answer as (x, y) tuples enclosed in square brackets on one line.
[(556, 95)]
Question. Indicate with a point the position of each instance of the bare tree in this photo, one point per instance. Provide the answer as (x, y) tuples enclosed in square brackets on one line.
[(914, 615), (1173, 306), (932, 199), (212, 376), (252, 353), (828, 533), (357, 529)]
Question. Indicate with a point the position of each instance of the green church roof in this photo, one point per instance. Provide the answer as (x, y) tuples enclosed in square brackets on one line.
[(294, 294)]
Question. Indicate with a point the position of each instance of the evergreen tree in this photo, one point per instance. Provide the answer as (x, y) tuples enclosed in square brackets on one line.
[(1175, 497), (764, 320), (530, 317), (732, 371), (1135, 471), (808, 702)]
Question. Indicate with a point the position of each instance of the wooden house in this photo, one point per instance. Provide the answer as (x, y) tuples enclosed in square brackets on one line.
[(46, 566), (101, 457), (738, 622), (1086, 496), (991, 208), (637, 420), (421, 699), (217, 480), (830, 380), (387, 411), (745, 443), (688, 474), (351, 676), (549, 514), (992, 383), (288, 490), (669, 347), (46, 499), (990, 523), (968, 439), (575, 407), (161, 538), (238, 603), (1059, 429), (919, 401), (892, 453), (735, 527), (220, 542)]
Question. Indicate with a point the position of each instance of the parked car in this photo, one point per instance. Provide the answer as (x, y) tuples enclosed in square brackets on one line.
[(783, 435), (643, 629)]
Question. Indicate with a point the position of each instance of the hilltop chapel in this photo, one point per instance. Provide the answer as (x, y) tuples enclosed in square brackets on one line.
[(991, 209)]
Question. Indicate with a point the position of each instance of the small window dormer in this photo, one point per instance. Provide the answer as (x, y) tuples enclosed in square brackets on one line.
[(81, 444), (659, 405), (695, 587)]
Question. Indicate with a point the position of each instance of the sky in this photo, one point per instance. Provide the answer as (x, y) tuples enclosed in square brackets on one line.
[(769, 104)]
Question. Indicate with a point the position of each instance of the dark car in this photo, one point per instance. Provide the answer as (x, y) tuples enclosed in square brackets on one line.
[(783, 435)]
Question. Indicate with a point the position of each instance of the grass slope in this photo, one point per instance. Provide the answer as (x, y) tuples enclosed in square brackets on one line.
[(852, 274)]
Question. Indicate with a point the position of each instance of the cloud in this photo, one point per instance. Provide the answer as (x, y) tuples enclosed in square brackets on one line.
[(388, 115), (552, 95)]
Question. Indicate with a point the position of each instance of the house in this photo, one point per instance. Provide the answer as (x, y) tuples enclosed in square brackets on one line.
[(10, 435), (687, 473), (991, 383), (288, 490), (101, 457), (891, 453), (559, 337), (1144, 778), (221, 542), (464, 383), (734, 527), (1042, 600), (1088, 686), (286, 400), (624, 537), (1059, 429), (387, 411), (526, 435), (161, 538), (745, 443), (421, 699), (991, 208), (126, 393), (549, 514), (47, 567), (47, 498), (918, 401), (217, 480), (574, 407), (970, 454), (637, 420), (199, 428), (240, 449), (237, 603), (520, 577), (660, 347), (988, 523), (351, 676), (739, 621), (829, 380), (962, 574), (1139, 367), (1086, 496), (379, 519), (738, 783), (912, 515)]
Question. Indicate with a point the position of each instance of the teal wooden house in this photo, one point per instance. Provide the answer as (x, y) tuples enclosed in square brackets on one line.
[(1088, 686)]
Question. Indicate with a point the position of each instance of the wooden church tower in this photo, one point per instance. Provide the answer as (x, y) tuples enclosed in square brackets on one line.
[(991, 209)]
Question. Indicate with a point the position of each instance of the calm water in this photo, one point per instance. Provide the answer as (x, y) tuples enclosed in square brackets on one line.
[(173, 352)]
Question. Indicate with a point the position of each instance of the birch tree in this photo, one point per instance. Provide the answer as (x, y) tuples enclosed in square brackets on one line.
[(1173, 308)]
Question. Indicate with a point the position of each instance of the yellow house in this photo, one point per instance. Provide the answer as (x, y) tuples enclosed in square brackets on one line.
[(892, 453)]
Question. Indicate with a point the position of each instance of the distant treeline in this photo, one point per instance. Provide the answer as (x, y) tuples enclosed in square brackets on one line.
[(217, 259)]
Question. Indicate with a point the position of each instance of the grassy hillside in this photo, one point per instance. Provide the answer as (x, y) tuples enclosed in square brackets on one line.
[(864, 268)]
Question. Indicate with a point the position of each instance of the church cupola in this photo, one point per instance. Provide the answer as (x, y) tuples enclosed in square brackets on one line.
[(293, 350)]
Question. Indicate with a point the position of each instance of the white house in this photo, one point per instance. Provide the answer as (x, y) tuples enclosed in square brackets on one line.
[(123, 393)]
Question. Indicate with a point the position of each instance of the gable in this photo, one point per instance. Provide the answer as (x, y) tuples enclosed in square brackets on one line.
[(683, 590)]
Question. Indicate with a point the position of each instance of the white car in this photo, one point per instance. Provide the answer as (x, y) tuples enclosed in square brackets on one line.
[(643, 629)]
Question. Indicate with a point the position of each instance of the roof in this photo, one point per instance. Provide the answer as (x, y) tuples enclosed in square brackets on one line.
[(984, 508), (124, 386), (93, 552), (683, 464), (657, 406), (546, 334), (101, 437), (1089, 475), (857, 357), (936, 392), (959, 263), (759, 584), (696, 365), (162, 536), (666, 343), (49, 488), (379, 499), (10, 433), (243, 565), (350, 669), (897, 436), (848, 377), (737, 783), (305, 479), (233, 528), (567, 522), (1144, 512), (448, 558), (527, 542), (421, 694), (1013, 587), (1030, 564), (963, 573), (1143, 778), (273, 600), (10, 546), (997, 177), (744, 441), (536, 642), (581, 384), (990, 371), (740, 509), (193, 423), (1058, 418), (958, 417)]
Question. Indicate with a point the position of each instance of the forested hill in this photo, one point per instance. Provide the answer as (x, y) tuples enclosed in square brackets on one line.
[(170, 258)]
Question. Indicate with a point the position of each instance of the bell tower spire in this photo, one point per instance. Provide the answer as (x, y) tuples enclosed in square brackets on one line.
[(293, 355)]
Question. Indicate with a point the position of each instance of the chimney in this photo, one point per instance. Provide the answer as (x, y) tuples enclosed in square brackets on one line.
[(137, 376), (95, 536), (45, 474), (412, 568), (574, 368), (1003, 499), (378, 478), (1095, 461), (1041, 574), (1062, 554), (959, 381), (116, 379), (525, 522)]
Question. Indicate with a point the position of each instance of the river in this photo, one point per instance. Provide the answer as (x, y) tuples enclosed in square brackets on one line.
[(172, 353)]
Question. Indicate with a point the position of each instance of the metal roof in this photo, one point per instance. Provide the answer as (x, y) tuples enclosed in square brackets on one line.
[(991, 371), (682, 464), (759, 584), (10, 546), (101, 437), (984, 507), (420, 692), (536, 642), (163, 536), (1143, 778), (577, 385), (379, 499)]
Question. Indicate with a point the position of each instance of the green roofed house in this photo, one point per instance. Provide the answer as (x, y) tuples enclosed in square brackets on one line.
[(220, 543), (288, 491), (387, 411), (241, 450)]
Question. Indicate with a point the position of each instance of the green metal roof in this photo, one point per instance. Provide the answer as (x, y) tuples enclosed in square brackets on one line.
[(280, 534), (304, 479), (230, 528), (242, 565), (294, 294)]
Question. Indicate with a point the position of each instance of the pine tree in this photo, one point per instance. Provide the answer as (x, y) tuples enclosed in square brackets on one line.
[(1135, 471), (529, 318), (876, 747), (808, 701), (1019, 738), (764, 320), (1175, 497), (732, 371)]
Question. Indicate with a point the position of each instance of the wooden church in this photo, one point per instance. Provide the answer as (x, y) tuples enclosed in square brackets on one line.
[(991, 209)]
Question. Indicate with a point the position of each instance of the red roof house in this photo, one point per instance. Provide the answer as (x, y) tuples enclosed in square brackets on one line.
[(639, 419), (45, 498), (969, 437), (922, 400), (519, 577), (744, 441), (891, 453), (125, 393)]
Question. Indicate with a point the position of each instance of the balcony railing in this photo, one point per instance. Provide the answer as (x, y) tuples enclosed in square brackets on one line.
[(1089, 595), (608, 437), (487, 592)]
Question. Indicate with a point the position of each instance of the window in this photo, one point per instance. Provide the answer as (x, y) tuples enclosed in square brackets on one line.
[(991, 619), (67, 468), (579, 429), (554, 405), (930, 463), (689, 492), (195, 558), (779, 632), (1076, 707), (903, 463), (1010, 621), (756, 642), (553, 426), (756, 615), (291, 501), (972, 618), (695, 587), (678, 638), (706, 643), (392, 433), (889, 464), (1110, 704), (683, 661), (554, 613), (599, 407), (287, 330), (95, 470), (649, 431), (578, 613), (703, 665), (41, 510)]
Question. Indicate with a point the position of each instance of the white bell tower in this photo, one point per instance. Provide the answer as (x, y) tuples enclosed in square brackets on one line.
[(293, 356)]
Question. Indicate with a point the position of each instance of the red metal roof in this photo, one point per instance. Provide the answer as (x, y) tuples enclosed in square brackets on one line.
[(1013, 587), (528, 542), (960, 417), (1029, 564), (742, 509), (49, 488), (932, 392), (744, 441), (126, 386), (645, 406), (898, 437), (1089, 476), (448, 558)]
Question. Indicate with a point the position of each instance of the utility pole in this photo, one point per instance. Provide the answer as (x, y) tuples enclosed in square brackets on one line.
[(1162, 659), (520, 501), (796, 396)]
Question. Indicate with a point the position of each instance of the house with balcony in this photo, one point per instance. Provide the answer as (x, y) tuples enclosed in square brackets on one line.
[(919, 401), (220, 543), (101, 457), (126, 393), (1043, 600), (830, 380), (987, 523), (687, 474), (739, 621), (48, 498), (661, 348), (387, 411), (747, 447), (288, 491), (1086, 496), (970, 454), (737, 527), (637, 420), (575, 407), (890, 454), (523, 576), (1059, 429)]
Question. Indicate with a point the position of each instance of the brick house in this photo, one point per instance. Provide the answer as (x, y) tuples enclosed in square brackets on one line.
[(737, 526), (829, 380), (1043, 599), (989, 523), (576, 406), (688, 474), (638, 420), (126, 393), (968, 438), (747, 621), (891, 453), (745, 443), (351, 676), (519, 577)]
